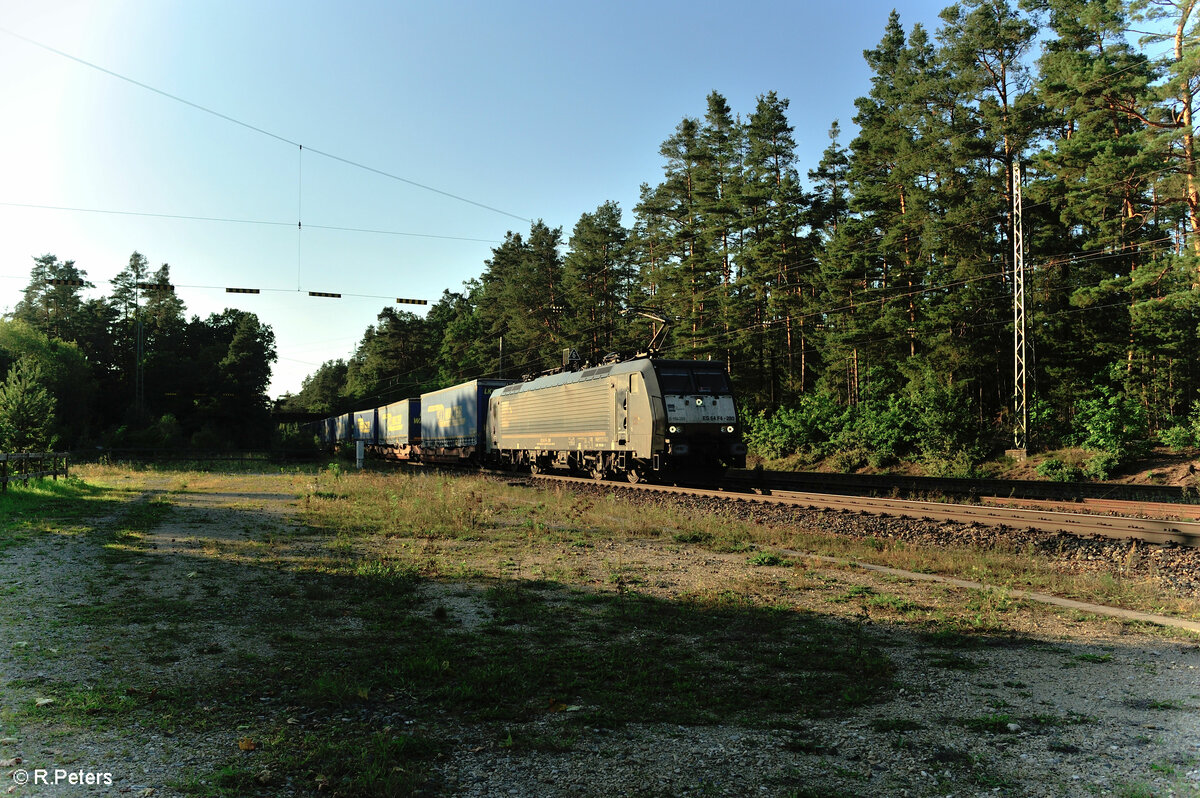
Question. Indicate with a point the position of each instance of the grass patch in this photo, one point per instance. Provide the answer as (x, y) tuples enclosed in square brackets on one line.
[(1152, 704), (49, 506), (954, 662), (347, 760), (764, 558)]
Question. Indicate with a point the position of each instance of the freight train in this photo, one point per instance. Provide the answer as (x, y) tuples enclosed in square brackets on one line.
[(642, 419)]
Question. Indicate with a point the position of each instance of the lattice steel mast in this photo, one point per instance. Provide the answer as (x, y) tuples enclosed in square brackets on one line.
[(1020, 394)]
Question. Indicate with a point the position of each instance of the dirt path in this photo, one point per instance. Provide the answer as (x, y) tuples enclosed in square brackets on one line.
[(178, 636)]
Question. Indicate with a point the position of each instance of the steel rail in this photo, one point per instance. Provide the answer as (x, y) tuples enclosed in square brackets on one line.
[(1151, 530), (899, 484)]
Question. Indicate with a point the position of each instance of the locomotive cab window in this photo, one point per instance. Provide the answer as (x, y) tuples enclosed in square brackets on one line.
[(674, 380), (711, 381)]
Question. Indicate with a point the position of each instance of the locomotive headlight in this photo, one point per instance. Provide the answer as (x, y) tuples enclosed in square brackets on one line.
[(699, 402), (672, 429), (729, 428)]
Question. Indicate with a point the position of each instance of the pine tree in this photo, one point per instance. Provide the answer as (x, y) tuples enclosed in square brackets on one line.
[(719, 182), (1173, 120), (980, 86), (54, 308), (670, 229), (876, 251), (597, 283), (773, 208), (1097, 176)]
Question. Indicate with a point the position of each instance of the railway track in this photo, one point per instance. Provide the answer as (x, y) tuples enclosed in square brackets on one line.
[(1158, 531), (898, 485)]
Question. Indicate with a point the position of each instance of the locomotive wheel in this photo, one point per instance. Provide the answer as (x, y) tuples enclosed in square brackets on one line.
[(634, 475)]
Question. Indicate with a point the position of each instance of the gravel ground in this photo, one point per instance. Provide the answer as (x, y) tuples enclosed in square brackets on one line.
[(1064, 705)]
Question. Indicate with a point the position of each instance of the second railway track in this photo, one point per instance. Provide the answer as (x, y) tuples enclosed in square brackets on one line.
[(1157, 531)]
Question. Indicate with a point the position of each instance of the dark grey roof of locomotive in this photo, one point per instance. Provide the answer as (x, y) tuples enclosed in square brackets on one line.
[(565, 377), (600, 372)]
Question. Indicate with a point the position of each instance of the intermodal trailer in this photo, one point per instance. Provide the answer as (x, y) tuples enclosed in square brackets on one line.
[(453, 421), (341, 428), (400, 428), (364, 426), (326, 431)]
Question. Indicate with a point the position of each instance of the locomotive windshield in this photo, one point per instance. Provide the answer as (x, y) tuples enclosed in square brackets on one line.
[(678, 379), (711, 380), (674, 380)]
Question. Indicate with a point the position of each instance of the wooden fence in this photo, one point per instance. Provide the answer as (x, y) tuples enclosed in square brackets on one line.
[(32, 465)]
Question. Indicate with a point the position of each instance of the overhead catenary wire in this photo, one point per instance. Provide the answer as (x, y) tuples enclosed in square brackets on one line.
[(263, 131), (229, 220)]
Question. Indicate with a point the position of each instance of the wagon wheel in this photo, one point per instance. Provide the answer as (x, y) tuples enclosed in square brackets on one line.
[(633, 474), (535, 468), (598, 472)]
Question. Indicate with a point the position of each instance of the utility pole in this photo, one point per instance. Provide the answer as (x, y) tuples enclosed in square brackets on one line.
[(1020, 383), (139, 364), (139, 378)]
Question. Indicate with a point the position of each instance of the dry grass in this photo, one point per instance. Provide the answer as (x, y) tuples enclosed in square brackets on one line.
[(450, 522)]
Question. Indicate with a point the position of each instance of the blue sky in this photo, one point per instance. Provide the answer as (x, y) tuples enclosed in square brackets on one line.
[(537, 109)]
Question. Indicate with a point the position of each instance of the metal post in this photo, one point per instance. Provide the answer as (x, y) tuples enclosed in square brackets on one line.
[(1020, 385), (139, 373)]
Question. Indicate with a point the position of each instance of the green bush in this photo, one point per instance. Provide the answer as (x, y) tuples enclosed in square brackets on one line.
[(1057, 471), (1113, 423), (961, 465), (849, 459), (807, 427), (881, 427), (1177, 438), (1101, 465), (944, 421)]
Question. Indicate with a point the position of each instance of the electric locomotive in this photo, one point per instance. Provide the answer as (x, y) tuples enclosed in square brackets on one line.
[(641, 419)]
